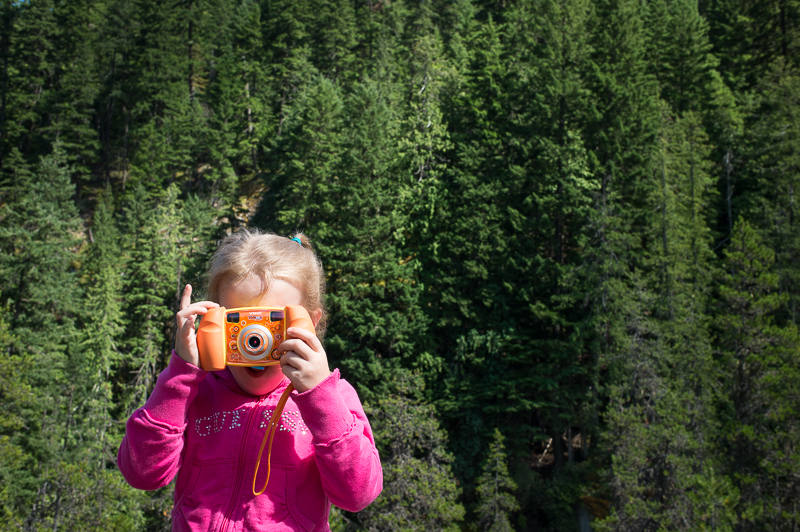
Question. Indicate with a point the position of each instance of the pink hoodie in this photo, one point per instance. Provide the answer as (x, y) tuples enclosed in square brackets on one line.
[(203, 427)]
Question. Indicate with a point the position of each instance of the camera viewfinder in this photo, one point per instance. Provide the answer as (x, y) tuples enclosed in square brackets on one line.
[(233, 317), (276, 315)]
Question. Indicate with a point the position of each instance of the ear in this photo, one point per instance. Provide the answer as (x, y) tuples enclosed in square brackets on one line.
[(315, 317)]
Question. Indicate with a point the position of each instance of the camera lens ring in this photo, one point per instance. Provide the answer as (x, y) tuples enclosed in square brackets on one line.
[(255, 331)]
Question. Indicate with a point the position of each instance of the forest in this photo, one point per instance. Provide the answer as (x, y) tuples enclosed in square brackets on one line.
[(561, 242)]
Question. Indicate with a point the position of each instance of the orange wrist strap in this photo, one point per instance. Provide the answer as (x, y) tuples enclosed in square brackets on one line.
[(270, 432)]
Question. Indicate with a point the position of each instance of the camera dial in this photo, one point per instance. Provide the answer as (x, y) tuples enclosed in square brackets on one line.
[(255, 342)]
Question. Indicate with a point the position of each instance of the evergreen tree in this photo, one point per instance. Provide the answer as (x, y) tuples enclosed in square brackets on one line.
[(104, 323), (71, 103), (29, 66), (661, 436), (381, 51), (749, 37), (419, 490), (239, 94), (40, 284), (304, 160), (286, 34), (373, 280), (761, 408), (151, 279), (548, 220), (493, 487), (16, 398), (766, 190), (686, 71), (623, 135)]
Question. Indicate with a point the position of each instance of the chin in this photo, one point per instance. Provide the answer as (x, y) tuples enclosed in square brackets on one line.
[(257, 382)]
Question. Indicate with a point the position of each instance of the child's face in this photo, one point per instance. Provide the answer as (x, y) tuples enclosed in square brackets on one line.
[(245, 294)]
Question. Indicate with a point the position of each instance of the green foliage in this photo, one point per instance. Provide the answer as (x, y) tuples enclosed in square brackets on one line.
[(530, 204), (494, 489), (419, 489), (773, 151), (760, 405), (152, 284)]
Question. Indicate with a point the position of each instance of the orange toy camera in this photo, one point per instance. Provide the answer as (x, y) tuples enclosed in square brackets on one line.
[(248, 336)]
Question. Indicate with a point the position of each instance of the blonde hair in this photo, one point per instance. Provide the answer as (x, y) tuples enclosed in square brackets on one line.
[(270, 257)]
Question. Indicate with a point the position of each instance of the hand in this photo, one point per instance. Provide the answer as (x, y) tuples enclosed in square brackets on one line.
[(304, 360), (186, 343)]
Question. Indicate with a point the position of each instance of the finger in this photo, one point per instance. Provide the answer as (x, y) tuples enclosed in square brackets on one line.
[(293, 360), (207, 304), (291, 372), (201, 308), (299, 347), (307, 336), (187, 329), (186, 298)]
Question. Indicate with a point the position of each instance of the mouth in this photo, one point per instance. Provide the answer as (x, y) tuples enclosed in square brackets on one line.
[(256, 371)]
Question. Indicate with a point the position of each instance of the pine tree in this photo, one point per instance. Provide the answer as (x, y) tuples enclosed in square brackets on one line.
[(667, 382), (419, 490), (239, 94), (9, 13), (71, 104), (304, 160), (104, 323), (285, 25), (40, 285), (373, 279), (381, 51), (166, 74), (749, 37), (466, 225), (334, 39), (623, 135), (767, 183), (29, 75), (761, 409), (548, 219), (494, 489), (151, 279), (16, 398)]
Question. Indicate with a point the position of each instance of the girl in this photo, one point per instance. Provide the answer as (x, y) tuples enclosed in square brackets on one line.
[(207, 427)]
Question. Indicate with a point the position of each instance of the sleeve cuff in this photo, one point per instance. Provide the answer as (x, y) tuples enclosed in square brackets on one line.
[(175, 390), (324, 410)]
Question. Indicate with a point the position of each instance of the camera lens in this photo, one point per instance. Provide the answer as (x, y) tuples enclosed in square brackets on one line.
[(255, 342)]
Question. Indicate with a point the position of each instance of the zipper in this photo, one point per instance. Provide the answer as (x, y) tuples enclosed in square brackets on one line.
[(239, 470)]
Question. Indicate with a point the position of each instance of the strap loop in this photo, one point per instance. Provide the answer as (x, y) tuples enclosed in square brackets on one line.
[(270, 432)]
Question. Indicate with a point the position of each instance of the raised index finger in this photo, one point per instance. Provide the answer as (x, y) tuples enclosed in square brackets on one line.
[(186, 298)]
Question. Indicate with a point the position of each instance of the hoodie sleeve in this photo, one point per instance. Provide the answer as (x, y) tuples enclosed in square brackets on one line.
[(344, 447), (150, 453)]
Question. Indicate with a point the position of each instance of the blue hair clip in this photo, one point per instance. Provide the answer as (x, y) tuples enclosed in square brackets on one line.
[(296, 239)]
